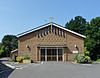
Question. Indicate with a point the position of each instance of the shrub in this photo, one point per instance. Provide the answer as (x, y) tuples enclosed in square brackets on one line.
[(19, 58), (98, 60), (98, 57), (83, 59), (87, 59), (80, 58), (86, 52), (26, 56)]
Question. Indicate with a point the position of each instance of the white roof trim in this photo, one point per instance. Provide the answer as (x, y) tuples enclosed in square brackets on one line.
[(27, 32), (59, 26), (70, 31)]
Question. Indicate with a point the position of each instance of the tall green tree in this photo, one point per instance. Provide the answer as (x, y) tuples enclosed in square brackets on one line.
[(93, 38), (78, 24), (1, 49), (91, 30), (10, 43)]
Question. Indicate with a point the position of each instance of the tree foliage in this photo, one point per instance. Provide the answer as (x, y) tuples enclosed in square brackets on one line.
[(91, 30), (9, 43), (93, 38), (1, 49), (78, 24)]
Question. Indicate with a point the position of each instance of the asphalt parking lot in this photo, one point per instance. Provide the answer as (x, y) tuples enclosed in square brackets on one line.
[(57, 70), (5, 71)]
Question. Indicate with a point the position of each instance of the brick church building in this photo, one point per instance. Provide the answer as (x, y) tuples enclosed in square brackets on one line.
[(50, 42)]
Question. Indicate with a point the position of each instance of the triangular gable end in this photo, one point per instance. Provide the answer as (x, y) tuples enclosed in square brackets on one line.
[(48, 24)]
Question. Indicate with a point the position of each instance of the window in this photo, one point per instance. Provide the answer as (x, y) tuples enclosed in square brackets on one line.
[(49, 52), (46, 30), (42, 55), (53, 29), (61, 32), (64, 33), (42, 58), (59, 51), (54, 52), (42, 33), (42, 51), (58, 31), (38, 34), (60, 54)]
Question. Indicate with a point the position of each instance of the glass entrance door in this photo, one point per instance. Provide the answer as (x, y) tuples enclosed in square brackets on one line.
[(51, 54), (60, 54), (42, 54)]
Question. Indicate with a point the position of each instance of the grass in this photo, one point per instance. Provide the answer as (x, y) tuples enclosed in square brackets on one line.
[(98, 60)]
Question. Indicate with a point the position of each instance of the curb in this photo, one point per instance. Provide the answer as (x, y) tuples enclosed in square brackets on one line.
[(12, 67), (74, 63)]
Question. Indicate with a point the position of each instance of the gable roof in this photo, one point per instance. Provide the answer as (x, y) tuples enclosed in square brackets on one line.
[(45, 25)]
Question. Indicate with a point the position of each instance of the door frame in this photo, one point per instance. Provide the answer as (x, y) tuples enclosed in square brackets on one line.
[(51, 48)]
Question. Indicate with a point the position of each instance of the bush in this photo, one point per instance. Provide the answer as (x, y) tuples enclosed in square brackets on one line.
[(87, 59), (86, 52), (98, 60), (83, 59), (19, 58), (80, 58), (26, 56)]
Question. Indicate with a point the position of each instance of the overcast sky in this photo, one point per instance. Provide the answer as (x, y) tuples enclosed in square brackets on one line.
[(17, 16)]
